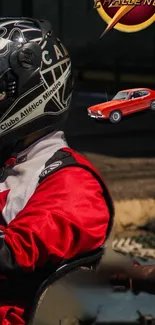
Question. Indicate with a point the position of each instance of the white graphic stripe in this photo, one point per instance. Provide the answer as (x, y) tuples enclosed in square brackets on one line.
[(10, 23), (31, 30), (55, 66), (36, 39), (4, 31), (43, 45)]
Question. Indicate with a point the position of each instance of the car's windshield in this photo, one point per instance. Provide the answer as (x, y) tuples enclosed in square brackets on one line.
[(121, 95)]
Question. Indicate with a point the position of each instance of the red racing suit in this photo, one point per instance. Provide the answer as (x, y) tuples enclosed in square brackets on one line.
[(53, 206)]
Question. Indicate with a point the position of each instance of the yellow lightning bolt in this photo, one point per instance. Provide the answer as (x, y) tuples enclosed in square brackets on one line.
[(119, 14)]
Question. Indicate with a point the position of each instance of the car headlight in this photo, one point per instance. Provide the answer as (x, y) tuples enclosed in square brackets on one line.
[(99, 113)]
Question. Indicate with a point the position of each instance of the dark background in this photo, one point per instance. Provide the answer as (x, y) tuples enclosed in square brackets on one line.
[(118, 59), (102, 67)]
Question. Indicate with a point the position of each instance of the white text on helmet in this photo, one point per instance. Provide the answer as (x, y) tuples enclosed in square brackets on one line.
[(58, 53), (45, 54)]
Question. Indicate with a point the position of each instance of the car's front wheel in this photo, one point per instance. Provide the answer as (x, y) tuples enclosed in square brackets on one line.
[(115, 117), (153, 105)]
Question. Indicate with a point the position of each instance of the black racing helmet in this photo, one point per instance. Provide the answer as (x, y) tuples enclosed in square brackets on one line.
[(36, 81)]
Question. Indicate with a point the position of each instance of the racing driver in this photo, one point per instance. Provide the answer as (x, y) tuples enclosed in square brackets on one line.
[(53, 203)]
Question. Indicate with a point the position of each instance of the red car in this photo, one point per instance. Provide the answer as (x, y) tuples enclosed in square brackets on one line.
[(124, 103)]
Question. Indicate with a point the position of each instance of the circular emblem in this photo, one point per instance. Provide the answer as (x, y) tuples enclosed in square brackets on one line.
[(126, 15)]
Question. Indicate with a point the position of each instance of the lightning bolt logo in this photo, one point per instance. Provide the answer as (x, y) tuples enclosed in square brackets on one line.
[(119, 14), (125, 7)]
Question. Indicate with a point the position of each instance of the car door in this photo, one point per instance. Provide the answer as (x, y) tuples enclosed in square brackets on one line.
[(134, 103), (146, 101)]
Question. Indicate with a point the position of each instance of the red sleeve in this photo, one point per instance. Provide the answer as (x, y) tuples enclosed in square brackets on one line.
[(66, 215)]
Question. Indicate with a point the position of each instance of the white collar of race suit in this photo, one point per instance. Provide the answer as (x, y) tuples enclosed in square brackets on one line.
[(53, 141)]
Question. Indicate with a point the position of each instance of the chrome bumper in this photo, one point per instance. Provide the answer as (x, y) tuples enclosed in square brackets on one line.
[(96, 116)]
